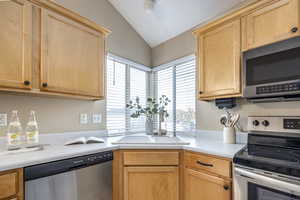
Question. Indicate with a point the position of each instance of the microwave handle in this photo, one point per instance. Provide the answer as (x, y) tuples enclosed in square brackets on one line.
[(268, 180)]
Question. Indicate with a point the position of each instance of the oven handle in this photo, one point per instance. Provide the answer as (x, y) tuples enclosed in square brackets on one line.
[(268, 180)]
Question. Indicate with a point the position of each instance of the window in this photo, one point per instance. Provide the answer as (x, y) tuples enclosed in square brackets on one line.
[(165, 87), (177, 80), (116, 96), (185, 96), (125, 81), (138, 88)]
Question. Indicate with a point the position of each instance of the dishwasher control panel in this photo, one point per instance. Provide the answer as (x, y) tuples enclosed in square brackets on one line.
[(61, 166)]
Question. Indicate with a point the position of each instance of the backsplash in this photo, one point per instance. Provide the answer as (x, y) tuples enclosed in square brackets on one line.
[(54, 115), (208, 115)]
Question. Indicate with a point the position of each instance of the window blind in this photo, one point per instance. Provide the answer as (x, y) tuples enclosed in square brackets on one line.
[(165, 87), (138, 88), (185, 96), (177, 80), (125, 81), (116, 96)]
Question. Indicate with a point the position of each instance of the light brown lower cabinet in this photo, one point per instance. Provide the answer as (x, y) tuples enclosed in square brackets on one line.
[(11, 185), (201, 186), (170, 175), (151, 183)]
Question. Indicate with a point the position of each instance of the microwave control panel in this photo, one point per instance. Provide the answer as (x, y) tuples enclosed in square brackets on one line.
[(288, 87)]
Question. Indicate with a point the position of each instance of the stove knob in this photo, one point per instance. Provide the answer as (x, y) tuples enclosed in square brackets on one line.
[(255, 123), (266, 123)]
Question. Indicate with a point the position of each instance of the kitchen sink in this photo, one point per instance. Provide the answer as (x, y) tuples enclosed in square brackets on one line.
[(151, 140)]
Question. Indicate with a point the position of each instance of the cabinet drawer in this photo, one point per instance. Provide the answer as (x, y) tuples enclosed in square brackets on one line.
[(156, 158), (207, 163), (8, 184)]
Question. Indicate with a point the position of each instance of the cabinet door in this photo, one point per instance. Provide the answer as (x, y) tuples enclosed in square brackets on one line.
[(151, 183), (15, 40), (72, 57), (219, 61), (201, 186), (274, 22)]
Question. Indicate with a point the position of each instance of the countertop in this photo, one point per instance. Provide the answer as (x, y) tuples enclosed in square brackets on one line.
[(57, 151)]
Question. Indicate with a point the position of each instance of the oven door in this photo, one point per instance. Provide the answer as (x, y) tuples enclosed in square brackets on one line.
[(249, 185)]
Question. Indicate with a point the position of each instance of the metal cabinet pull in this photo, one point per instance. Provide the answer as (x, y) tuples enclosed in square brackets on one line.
[(26, 82), (294, 29), (204, 164), (45, 85), (226, 187)]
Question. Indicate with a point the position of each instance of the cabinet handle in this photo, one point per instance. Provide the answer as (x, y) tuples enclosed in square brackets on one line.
[(226, 187), (294, 30), (45, 85), (200, 92), (26, 82), (204, 164)]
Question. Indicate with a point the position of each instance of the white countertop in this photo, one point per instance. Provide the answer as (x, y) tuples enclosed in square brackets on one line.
[(56, 151)]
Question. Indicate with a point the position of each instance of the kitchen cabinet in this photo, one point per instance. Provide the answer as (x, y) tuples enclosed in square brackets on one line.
[(275, 21), (15, 40), (151, 183), (202, 186), (72, 57), (206, 177), (147, 175), (11, 185), (219, 51), (49, 50)]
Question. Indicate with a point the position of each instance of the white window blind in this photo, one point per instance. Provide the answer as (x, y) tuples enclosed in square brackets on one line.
[(138, 88), (165, 87), (116, 96), (124, 83), (177, 81), (185, 96)]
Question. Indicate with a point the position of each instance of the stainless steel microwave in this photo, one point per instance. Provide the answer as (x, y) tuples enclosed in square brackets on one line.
[(273, 71)]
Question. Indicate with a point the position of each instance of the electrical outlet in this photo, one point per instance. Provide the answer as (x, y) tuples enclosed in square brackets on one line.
[(3, 119), (97, 118), (84, 118)]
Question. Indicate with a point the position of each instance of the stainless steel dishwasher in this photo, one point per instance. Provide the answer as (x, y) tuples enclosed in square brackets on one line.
[(81, 178)]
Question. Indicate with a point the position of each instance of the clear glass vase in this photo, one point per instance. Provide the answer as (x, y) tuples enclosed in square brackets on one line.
[(149, 125), (162, 126)]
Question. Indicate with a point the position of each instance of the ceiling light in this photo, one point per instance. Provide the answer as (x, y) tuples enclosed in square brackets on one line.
[(149, 5)]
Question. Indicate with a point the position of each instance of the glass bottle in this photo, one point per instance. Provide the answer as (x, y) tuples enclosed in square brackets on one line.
[(32, 130), (14, 132)]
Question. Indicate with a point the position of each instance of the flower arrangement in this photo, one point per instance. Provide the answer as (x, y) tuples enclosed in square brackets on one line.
[(150, 110)]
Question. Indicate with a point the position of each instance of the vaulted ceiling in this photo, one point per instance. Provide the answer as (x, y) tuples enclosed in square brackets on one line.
[(169, 18)]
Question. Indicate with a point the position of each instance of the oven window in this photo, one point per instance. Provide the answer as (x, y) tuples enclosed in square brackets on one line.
[(282, 66), (257, 192)]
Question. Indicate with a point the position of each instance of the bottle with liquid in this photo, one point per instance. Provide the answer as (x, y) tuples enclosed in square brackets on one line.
[(32, 130), (14, 132)]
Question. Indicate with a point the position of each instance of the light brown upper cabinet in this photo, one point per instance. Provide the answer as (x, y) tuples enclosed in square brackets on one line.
[(72, 57), (51, 50), (270, 23), (15, 44), (219, 50)]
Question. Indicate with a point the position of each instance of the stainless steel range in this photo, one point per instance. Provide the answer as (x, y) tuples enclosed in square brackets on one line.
[(268, 168)]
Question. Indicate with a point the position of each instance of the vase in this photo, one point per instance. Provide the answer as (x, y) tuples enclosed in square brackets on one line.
[(162, 126), (149, 125)]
